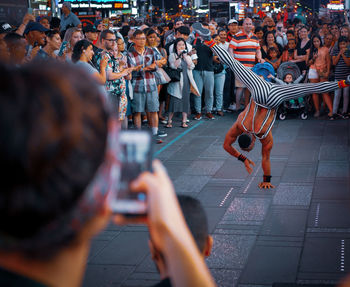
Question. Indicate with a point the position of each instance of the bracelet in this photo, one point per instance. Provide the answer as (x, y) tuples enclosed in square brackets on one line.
[(241, 157), (267, 178)]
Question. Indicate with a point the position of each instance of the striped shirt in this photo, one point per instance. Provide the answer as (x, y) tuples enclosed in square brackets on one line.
[(342, 70), (245, 48)]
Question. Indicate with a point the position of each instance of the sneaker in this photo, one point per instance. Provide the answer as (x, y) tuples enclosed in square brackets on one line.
[(197, 117), (344, 116), (201, 31), (210, 116), (232, 107), (220, 113), (161, 134)]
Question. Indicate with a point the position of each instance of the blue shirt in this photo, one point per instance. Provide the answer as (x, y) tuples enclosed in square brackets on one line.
[(71, 19)]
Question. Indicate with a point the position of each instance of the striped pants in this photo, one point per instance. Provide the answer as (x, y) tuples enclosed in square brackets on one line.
[(266, 94)]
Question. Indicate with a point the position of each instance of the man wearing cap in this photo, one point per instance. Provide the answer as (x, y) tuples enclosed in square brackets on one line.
[(68, 18), (4, 29), (36, 38), (90, 32), (171, 36), (233, 29)]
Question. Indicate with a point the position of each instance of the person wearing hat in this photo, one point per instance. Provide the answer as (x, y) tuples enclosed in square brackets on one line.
[(232, 29), (5, 28), (68, 18), (35, 34), (90, 32)]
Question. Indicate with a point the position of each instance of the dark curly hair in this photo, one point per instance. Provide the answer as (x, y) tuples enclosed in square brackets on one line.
[(53, 130)]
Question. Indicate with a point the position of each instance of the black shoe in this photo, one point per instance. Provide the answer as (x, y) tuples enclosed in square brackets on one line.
[(201, 31)]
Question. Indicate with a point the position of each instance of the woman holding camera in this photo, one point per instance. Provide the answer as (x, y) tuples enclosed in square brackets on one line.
[(180, 91)]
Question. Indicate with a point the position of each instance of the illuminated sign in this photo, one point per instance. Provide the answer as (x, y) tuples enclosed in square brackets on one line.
[(106, 4), (335, 6)]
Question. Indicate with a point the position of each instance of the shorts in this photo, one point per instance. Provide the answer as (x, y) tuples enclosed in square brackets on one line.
[(145, 102), (239, 84), (313, 74)]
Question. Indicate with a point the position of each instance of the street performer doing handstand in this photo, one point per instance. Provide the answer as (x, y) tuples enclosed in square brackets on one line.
[(258, 117)]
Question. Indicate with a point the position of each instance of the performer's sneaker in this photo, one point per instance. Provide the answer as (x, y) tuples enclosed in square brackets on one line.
[(347, 81), (201, 31)]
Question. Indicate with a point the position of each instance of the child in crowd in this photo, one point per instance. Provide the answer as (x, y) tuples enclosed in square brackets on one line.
[(288, 54), (288, 79), (273, 58)]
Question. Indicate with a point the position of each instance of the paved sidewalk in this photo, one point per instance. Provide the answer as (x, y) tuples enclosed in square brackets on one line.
[(297, 233)]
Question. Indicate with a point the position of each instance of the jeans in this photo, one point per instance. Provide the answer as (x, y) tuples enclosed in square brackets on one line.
[(337, 95), (219, 81), (206, 79)]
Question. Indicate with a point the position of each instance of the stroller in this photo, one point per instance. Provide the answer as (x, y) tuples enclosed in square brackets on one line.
[(298, 106)]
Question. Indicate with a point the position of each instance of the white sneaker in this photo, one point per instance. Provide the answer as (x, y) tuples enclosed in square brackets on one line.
[(232, 107)]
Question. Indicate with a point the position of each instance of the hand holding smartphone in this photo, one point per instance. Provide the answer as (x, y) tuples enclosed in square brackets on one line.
[(135, 155)]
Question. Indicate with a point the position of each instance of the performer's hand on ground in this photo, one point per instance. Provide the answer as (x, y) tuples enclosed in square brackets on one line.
[(247, 164), (266, 185)]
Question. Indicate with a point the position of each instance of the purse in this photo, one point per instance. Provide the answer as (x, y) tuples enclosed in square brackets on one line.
[(161, 77), (174, 74)]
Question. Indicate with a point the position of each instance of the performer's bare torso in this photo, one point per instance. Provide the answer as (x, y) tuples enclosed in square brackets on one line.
[(253, 125)]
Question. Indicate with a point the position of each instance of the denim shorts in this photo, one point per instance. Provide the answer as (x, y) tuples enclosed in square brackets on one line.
[(145, 102)]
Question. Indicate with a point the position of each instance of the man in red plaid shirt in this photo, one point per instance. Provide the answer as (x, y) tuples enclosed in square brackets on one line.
[(144, 83)]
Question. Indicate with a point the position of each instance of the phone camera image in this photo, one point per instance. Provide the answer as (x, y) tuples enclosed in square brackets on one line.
[(135, 155)]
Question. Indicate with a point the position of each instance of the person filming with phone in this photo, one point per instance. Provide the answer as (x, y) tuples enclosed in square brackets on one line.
[(57, 177)]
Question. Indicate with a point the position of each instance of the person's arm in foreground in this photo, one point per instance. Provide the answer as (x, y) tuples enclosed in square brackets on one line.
[(169, 231), (267, 144), (230, 138)]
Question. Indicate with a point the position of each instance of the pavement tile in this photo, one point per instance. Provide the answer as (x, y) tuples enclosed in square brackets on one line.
[(334, 153), (304, 155), (246, 211), (106, 275), (333, 169), (281, 149), (325, 255), (232, 168), (277, 168), (293, 194), (190, 183), (215, 196), (225, 277), (214, 215), (285, 222), (141, 279), (230, 251), (118, 251), (168, 153), (266, 266), (204, 167), (299, 173), (147, 265), (331, 189), (176, 168), (215, 150), (330, 215), (96, 247)]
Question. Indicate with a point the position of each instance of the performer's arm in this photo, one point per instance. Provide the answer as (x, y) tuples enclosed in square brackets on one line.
[(230, 138), (267, 144)]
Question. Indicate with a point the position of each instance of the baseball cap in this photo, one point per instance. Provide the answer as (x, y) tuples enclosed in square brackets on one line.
[(67, 4), (5, 28), (232, 21), (34, 26), (89, 28)]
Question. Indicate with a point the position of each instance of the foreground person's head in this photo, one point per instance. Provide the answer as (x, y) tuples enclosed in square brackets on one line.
[(246, 142), (52, 142)]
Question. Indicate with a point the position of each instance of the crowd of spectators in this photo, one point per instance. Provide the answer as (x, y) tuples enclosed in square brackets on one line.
[(57, 78)]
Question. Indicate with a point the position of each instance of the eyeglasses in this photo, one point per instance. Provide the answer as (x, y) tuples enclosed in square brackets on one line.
[(111, 40)]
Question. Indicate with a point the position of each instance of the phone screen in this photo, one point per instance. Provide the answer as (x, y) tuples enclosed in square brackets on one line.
[(62, 48), (135, 155)]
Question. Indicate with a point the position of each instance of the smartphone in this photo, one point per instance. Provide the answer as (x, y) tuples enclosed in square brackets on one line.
[(135, 156), (62, 48)]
